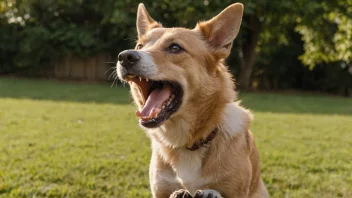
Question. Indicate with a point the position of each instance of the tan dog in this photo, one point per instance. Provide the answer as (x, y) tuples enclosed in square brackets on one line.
[(201, 143)]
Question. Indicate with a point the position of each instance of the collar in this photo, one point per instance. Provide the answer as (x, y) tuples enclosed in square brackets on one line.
[(205, 143)]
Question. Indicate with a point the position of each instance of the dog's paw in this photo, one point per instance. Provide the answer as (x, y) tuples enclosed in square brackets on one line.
[(181, 194), (207, 194)]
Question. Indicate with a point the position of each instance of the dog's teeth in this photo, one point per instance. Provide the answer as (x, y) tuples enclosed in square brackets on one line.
[(163, 107), (140, 78), (147, 79), (130, 76)]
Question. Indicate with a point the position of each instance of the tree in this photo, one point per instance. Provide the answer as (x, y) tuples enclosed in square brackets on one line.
[(327, 38)]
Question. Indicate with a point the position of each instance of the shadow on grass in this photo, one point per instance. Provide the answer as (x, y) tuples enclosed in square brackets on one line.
[(104, 93)]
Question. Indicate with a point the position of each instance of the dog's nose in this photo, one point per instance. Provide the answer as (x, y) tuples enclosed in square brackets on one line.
[(128, 58)]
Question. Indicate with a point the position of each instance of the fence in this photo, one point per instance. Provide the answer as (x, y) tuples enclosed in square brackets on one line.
[(78, 68)]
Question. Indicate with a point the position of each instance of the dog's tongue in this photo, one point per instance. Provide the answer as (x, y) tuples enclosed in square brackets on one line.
[(153, 104)]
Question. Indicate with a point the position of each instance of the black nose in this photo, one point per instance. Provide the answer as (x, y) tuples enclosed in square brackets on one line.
[(128, 58)]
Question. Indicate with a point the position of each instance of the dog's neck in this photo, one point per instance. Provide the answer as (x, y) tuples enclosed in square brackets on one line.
[(174, 135)]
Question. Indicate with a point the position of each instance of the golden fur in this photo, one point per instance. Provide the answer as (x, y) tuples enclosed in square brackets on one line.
[(231, 165)]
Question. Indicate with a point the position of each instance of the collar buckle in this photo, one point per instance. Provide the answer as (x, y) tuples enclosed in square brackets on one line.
[(206, 144)]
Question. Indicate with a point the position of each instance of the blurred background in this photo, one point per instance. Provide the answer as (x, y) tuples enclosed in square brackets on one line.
[(282, 45), (66, 132)]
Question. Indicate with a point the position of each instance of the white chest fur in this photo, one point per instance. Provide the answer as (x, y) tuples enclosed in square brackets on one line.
[(188, 169)]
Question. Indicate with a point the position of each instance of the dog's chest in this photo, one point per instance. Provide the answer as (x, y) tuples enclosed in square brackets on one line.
[(188, 170)]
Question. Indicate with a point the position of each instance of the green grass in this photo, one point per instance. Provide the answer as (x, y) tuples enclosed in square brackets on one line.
[(74, 140)]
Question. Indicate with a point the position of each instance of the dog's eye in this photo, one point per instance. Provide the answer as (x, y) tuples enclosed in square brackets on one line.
[(139, 46), (174, 48)]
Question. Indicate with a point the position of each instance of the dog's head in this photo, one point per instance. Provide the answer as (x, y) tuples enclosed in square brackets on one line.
[(176, 71)]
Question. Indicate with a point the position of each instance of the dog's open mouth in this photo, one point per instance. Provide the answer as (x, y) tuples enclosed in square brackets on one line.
[(161, 100)]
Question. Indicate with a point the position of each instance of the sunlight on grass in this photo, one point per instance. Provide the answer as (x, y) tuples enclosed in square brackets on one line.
[(70, 140)]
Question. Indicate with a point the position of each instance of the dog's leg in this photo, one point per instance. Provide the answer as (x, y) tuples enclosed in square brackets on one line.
[(162, 178), (208, 193), (181, 194)]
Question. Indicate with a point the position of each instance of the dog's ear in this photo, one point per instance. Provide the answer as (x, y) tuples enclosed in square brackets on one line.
[(221, 30), (144, 21)]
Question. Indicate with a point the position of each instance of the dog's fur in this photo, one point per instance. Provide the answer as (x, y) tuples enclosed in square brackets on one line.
[(230, 167)]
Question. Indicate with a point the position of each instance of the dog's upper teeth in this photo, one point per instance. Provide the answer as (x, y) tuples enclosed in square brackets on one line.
[(147, 79), (130, 76), (140, 78)]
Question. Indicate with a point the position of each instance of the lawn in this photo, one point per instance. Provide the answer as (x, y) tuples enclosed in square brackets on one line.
[(82, 140)]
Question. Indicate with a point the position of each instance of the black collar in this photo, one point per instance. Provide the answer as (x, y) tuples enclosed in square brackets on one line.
[(205, 143)]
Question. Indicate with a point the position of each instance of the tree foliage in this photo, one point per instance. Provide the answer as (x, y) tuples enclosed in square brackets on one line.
[(327, 33)]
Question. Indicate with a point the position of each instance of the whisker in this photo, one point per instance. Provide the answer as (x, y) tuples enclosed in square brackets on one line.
[(109, 69), (113, 82), (113, 74)]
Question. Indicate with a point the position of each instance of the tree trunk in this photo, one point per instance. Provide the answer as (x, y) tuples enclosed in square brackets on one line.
[(247, 54)]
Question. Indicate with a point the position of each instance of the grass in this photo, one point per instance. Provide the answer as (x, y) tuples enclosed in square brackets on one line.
[(74, 140)]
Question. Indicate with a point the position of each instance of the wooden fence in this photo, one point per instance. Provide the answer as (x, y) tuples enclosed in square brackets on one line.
[(78, 68)]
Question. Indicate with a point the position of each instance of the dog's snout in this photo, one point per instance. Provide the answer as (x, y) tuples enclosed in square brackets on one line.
[(129, 58)]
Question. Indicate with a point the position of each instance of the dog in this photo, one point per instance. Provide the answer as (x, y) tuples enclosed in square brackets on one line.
[(201, 142)]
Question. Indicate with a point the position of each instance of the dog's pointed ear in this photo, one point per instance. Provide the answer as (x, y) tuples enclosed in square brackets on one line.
[(221, 30), (144, 21)]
